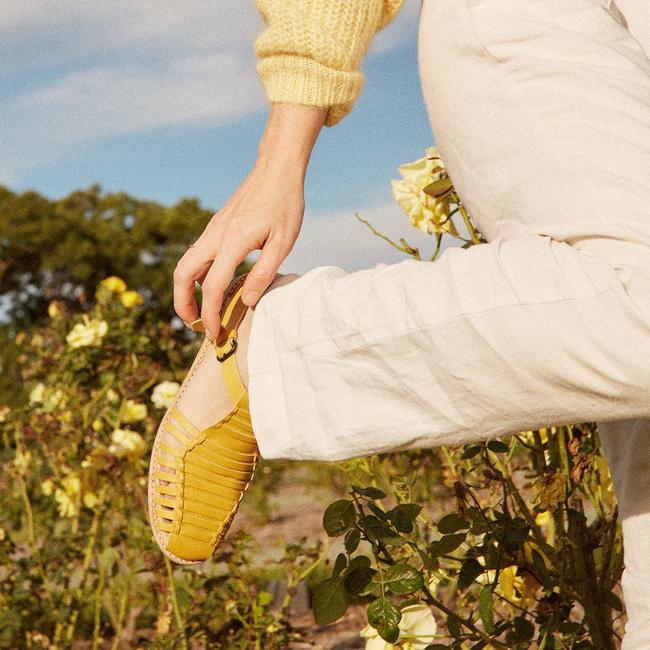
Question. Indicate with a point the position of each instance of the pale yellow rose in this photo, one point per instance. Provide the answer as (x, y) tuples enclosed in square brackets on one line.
[(127, 443), (417, 630), (417, 627), (71, 484), (517, 589), (53, 310), (425, 211), (131, 299), (47, 487), (53, 399), (114, 284), (67, 506), (90, 332), (22, 460), (90, 500), (163, 394), (373, 640), (546, 521), (37, 394), (133, 411)]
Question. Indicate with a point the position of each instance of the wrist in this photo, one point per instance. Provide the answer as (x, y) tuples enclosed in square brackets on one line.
[(291, 132)]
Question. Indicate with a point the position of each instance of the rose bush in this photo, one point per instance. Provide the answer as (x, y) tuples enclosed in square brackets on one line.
[(510, 543)]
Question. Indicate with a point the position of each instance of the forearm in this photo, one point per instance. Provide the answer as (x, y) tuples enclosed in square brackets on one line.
[(290, 134)]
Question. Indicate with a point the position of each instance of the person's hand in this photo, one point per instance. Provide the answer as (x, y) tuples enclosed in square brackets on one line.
[(265, 212)]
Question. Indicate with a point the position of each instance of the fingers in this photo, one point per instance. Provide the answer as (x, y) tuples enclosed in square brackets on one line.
[(217, 279), (189, 269), (263, 272)]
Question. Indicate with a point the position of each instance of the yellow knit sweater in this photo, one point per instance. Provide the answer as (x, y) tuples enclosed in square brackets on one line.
[(310, 51)]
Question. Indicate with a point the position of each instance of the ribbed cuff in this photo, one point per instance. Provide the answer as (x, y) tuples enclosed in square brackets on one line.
[(296, 79)]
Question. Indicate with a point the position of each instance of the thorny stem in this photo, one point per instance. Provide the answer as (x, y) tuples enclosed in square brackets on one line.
[(410, 251)]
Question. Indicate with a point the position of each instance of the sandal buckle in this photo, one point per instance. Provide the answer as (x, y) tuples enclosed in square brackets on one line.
[(223, 355)]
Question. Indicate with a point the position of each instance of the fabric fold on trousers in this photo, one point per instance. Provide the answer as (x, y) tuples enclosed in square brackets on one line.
[(504, 337)]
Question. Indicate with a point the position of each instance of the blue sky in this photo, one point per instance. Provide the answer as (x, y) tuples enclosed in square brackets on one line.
[(161, 100)]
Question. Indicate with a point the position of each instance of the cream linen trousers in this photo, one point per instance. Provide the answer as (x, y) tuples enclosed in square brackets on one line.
[(541, 112)]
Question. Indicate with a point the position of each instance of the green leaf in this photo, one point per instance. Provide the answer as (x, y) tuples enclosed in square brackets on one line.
[(330, 601), (384, 617), (340, 563), (613, 601), (351, 540), (485, 610), (339, 517), (264, 598), (540, 567), (359, 561), (370, 492), (378, 512), (403, 579), (468, 571), (378, 530), (470, 451), (358, 579), (403, 515), (439, 187), (451, 523), (446, 544), (454, 627), (523, 629), (498, 447)]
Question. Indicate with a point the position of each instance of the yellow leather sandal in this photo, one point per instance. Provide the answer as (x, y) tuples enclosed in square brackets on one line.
[(197, 478)]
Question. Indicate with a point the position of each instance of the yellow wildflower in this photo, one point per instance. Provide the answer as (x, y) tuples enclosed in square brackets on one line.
[(4, 411), (97, 425), (127, 443), (164, 393), (133, 411), (2, 534), (131, 299), (112, 396), (426, 209), (90, 332), (114, 284)]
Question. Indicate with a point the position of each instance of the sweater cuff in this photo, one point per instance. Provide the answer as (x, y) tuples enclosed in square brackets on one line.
[(301, 80)]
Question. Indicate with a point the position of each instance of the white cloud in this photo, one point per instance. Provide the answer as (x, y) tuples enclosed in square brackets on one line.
[(403, 27), (82, 70), (342, 240)]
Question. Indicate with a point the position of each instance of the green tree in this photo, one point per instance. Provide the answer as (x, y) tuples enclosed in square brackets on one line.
[(62, 248)]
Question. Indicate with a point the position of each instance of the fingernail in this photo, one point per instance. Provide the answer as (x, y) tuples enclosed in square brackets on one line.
[(250, 297)]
